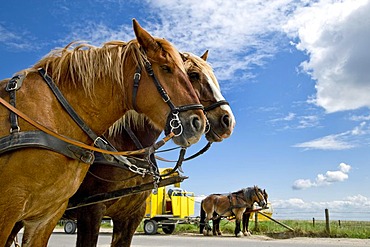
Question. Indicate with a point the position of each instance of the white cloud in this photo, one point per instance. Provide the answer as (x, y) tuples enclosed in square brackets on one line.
[(339, 141), (335, 35), (294, 121), (330, 142), (16, 40), (360, 117), (324, 179), (239, 34), (344, 209)]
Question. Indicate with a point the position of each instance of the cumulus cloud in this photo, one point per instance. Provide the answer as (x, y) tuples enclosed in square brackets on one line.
[(341, 141), (348, 208), (328, 178), (335, 35), (239, 34)]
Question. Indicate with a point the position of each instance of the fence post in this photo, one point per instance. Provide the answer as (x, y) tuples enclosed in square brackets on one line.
[(313, 222), (256, 227), (327, 221)]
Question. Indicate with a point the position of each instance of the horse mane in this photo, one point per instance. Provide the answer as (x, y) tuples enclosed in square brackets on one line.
[(202, 64), (131, 119), (87, 64)]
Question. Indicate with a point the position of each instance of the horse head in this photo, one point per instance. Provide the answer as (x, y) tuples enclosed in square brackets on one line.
[(221, 118), (260, 197), (167, 91)]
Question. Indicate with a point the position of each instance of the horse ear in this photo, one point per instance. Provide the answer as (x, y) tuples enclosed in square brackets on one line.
[(204, 56), (183, 57), (145, 40)]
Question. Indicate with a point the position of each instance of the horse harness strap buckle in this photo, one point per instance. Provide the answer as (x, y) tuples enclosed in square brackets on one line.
[(12, 86)]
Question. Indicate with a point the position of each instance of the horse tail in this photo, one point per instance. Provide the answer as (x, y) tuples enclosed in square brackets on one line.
[(202, 218)]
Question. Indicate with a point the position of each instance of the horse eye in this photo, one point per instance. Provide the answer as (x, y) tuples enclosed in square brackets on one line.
[(193, 76), (166, 68)]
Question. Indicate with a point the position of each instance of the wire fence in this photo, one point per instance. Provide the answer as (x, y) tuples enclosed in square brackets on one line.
[(288, 214)]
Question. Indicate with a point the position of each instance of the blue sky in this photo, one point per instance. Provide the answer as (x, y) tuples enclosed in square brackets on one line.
[(296, 74)]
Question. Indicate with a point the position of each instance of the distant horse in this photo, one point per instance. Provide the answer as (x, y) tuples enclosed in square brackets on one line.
[(215, 206), (127, 212), (246, 215), (37, 181)]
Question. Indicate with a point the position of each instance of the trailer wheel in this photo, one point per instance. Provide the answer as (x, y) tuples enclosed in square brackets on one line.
[(150, 227), (169, 229), (70, 227)]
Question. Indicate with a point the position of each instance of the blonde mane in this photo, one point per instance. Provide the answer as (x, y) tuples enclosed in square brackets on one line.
[(131, 119), (88, 64), (204, 66)]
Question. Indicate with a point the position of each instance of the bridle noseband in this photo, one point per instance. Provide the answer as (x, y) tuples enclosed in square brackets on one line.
[(210, 108), (173, 121)]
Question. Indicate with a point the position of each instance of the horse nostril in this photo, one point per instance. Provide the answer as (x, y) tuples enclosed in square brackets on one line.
[(225, 120), (196, 124)]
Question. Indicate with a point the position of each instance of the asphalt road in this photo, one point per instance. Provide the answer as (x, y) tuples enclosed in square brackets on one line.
[(59, 239)]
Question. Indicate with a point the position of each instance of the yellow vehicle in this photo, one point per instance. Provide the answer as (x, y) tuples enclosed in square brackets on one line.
[(168, 206), (267, 211)]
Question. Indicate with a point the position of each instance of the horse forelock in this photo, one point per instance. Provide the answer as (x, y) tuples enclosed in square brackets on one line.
[(203, 65), (83, 63), (131, 119)]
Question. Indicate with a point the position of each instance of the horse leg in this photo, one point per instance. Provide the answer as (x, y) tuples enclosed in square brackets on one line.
[(216, 226), (238, 232), (37, 231), (10, 213), (125, 225), (88, 224), (18, 226), (246, 217), (207, 227)]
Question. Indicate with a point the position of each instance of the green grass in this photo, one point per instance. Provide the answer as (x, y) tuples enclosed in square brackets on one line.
[(346, 229)]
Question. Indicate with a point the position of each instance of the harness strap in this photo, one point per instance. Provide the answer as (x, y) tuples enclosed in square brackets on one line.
[(98, 141), (12, 86), (215, 105), (66, 105), (158, 85), (133, 137), (40, 139), (137, 77)]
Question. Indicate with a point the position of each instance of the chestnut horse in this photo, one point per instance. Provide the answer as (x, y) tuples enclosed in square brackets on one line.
[(127, 212), (36, 183), (215, 206)]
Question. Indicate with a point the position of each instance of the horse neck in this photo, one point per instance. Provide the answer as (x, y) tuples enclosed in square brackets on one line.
[(247, 197), (106, 104), (146, 135)]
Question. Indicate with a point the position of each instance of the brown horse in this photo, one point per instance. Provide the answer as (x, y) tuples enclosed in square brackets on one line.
[(246, 215), (128, 212), (36, 183), (215, 206)]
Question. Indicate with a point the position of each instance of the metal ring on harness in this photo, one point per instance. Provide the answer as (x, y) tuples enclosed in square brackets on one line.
[(175, 124)]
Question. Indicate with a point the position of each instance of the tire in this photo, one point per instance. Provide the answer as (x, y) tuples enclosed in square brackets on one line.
[(70, 227), (169, 229), (150, 227)]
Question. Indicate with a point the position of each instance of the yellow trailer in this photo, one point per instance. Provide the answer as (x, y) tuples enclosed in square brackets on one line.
[(168, 206), (267, 211)]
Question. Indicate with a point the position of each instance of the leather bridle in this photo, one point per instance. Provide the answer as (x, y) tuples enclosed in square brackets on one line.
[(173, 121)]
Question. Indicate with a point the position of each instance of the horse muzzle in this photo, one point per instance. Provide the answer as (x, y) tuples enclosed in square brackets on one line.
[(188, 127)]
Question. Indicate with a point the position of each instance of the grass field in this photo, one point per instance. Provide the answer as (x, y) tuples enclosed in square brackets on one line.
[(343, 229)]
